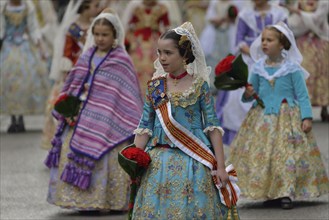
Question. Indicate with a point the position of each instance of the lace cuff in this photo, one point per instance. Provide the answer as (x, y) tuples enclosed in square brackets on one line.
[(211, 128), (142, 131)]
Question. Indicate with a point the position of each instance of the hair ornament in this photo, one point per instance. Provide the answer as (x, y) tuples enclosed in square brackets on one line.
[(182, 39)]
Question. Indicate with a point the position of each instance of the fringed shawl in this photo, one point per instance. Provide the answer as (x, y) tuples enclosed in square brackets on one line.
[(113, 106)]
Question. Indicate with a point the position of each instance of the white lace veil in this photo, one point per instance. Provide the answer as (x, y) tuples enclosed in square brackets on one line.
[(198, 67), (293, 54), (114, 19)]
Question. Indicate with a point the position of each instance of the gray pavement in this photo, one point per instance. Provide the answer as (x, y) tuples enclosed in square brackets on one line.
[(24, 184)]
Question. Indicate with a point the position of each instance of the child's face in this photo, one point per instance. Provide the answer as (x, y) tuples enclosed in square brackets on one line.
[(169, 57), (94, 8), (271, 45), (103, 36)]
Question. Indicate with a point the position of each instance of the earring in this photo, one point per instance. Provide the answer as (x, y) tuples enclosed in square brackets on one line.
[(184, 63), (115, 43)]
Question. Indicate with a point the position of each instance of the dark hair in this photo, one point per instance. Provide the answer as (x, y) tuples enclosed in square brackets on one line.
[(184, 47), (104, 21), (282, 38), (84, 6)]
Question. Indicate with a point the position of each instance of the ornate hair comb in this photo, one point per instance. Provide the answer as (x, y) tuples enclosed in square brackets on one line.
[(182, 39)]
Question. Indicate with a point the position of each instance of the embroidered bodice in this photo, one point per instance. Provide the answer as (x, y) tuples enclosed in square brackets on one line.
[(16, 23), (274, 84), (193, 109)]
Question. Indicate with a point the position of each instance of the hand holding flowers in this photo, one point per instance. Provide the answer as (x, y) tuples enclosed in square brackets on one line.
[(135, 162), (231, 73), (68, 106)]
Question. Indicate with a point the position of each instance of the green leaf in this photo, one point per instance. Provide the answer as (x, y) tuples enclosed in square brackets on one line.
[(69, 107), (239, 69)]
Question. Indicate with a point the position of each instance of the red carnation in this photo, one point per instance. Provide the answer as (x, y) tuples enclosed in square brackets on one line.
[(61, 98), (135, 162), (138, 155), (225, 65), (232, 73)]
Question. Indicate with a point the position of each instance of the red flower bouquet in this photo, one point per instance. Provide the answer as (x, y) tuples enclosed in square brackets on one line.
[(232, 73), (68, 106), (232, 12), (134, 161)]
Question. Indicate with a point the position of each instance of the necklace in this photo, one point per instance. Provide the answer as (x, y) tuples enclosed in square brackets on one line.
[(176, 78), (274, 62)]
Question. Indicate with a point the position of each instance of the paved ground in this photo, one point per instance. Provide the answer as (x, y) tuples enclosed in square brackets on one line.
[(24, 182)]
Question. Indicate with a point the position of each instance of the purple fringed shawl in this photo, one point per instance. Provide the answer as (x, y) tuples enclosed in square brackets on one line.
[(107, 118), (113, 106)]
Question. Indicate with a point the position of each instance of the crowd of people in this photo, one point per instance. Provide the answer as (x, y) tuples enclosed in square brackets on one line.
[(143, 74)]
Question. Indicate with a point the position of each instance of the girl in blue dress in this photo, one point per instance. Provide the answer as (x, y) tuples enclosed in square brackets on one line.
[(275, 152), (180, 131), (24, 74)]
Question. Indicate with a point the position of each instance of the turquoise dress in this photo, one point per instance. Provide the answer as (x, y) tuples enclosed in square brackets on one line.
[(176, 186), (272, 155)]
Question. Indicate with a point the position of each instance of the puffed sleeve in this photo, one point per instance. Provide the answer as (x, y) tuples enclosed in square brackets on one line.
[(146, 122), (301, 93), (211, 121)]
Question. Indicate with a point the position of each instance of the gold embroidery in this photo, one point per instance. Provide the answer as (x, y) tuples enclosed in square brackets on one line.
[(16, 18), (180, 99)]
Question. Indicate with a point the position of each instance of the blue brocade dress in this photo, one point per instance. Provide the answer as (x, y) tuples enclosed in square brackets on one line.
[(24, 75), (176, 186)]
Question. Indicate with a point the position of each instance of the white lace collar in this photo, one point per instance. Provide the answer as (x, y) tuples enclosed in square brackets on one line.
[(285, 68)]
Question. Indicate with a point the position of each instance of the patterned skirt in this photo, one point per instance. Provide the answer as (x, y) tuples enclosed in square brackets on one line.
[(274, 158), (109, 188), (315, 53), (175, 186), (24, 79)]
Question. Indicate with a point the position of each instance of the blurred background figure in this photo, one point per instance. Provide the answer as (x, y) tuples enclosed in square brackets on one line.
[(250, 23), (60, 7), (144, 21), (47, 19), (195, 11), (217, 38), (309, 21), (116, 5), (175, 14), (68, 44), (24, 82)]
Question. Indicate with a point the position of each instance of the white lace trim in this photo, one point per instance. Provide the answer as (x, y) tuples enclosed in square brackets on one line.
[(187, 92), (285, 68), (211, 128), (142, 131)]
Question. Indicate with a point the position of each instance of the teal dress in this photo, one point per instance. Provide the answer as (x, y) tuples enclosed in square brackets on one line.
[(272, 155), (176, 186)]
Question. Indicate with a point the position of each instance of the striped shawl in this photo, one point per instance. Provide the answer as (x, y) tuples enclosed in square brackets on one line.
[(113, 106)]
